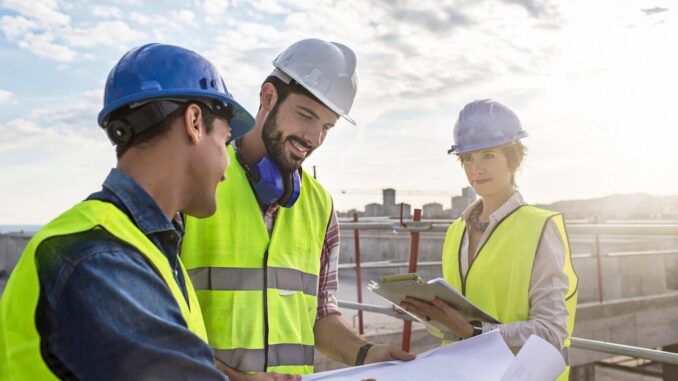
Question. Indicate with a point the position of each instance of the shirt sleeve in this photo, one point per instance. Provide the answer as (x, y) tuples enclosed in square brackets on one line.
[(109, 316), (548, 287), (328, 279)]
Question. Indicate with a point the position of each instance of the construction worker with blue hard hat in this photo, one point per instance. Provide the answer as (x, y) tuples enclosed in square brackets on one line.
[(100, 292), (265, 265), (510, 259)]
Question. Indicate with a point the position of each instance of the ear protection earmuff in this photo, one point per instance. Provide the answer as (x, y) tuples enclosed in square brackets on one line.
[(270, 185), (135, 121), (119, 132)]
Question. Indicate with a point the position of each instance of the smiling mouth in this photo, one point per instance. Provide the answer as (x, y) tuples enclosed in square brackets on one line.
[(481, 181), (298, 148)]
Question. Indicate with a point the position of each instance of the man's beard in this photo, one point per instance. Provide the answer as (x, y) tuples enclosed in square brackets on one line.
[(275, 144)]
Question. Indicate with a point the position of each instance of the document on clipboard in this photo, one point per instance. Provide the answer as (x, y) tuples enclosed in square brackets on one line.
[(395, 288)]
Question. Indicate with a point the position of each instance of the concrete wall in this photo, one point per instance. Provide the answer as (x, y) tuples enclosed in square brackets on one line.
[(648, 322), (623, 276), (11, 247)]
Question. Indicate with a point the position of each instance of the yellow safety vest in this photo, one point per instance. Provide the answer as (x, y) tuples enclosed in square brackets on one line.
[(20, 356), (498, 279), (259, 293)]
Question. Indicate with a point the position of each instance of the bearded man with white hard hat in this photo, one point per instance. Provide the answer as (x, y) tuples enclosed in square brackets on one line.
[(265, 265)]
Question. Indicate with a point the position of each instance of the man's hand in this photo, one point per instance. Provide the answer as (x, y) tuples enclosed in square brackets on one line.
[(383, 352), (234, 375)]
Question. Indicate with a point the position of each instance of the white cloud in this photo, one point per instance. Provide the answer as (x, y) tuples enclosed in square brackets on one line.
[(104, 11), (44, 46), (106, 33), (182, 15), (14, 27), (75, 124), (139, 18), (5, 96), (46, 12)]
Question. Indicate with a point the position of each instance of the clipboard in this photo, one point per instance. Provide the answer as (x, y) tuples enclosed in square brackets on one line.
[(394, 288)]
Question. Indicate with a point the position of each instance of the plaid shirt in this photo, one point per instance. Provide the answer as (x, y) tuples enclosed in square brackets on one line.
[(329, 261)]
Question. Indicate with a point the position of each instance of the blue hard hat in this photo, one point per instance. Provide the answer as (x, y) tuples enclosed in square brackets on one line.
[(484, 124), (159, 71)]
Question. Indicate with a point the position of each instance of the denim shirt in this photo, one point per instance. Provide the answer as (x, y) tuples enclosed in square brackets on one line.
[(104, 313)]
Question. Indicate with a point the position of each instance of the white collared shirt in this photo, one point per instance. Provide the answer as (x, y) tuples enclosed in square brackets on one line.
[(548, 285)]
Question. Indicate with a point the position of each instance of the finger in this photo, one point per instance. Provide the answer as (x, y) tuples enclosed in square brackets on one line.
[(416, 301), (399, 354), (409, 307), (444, 307), (419, 304)]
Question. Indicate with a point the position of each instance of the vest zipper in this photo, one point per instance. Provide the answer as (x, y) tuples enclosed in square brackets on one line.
[(265, 289)]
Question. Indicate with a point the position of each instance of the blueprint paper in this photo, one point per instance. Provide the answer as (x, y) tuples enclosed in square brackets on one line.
[(481, 358)]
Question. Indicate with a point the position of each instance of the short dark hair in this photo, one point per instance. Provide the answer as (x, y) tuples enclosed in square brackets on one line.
[(163, 127), (285, 89)]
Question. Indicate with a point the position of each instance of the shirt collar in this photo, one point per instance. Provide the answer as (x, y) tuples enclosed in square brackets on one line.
[(143, 209), (515, 201)]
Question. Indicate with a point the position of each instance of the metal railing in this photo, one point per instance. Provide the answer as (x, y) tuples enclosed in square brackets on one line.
[(576, 342), (415, 227)]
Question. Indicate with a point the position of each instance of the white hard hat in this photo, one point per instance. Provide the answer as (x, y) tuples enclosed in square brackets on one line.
[(325, 69)]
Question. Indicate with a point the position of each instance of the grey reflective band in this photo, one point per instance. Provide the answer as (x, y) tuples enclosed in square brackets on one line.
[(248, 279), (252, 360)]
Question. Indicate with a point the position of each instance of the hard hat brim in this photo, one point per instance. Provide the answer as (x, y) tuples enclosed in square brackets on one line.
[(457, 150), (241, 123)]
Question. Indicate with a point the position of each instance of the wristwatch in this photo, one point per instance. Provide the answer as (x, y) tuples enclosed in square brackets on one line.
[(362, 353)]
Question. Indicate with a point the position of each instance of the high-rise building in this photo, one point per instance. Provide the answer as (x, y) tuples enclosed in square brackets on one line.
[(389, 202)]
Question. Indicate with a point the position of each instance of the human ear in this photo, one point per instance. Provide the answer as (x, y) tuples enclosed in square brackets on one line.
[(192, 121), (268, 97)]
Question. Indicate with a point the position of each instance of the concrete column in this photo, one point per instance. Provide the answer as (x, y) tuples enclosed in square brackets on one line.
[(670, 371), (586, 372)]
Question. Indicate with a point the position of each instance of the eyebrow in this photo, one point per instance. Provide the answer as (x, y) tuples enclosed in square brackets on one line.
[(308, 110)]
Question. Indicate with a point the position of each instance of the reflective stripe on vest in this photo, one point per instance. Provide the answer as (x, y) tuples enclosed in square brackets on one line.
[(234, 279), (20, 356), (498, 278), (278, 355), (258, 293)]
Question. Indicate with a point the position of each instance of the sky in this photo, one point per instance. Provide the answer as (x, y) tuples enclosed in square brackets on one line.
[(593, 82)]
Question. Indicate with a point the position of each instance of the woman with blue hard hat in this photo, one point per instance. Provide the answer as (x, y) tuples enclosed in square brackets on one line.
[(510, 259)]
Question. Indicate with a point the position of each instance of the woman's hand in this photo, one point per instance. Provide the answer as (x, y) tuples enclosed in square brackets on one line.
[(441, 312)]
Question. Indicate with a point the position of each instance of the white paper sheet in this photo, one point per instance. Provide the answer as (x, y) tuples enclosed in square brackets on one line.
[(481, 358), (537, 360)]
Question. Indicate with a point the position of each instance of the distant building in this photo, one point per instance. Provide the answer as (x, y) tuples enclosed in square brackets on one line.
[(407, 211), (468, 193), (374, 210), (433, 210), (460, 203), (390, 208)]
